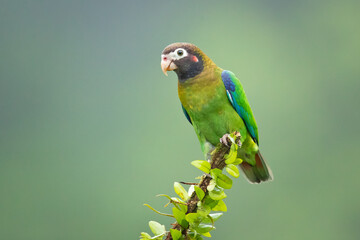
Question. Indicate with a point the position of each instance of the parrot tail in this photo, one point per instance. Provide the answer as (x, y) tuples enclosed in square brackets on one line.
[(258, 173)]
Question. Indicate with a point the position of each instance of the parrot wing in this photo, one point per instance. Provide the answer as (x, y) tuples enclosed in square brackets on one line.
[(186, 114), (238, 100)]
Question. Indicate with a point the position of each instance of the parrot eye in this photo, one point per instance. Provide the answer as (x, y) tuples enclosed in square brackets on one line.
[(180, 52)]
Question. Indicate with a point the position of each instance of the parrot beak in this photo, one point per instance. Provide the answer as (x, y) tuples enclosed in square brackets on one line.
[(167, 64)]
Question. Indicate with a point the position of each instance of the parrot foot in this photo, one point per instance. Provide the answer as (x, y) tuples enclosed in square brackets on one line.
[(226, 139)]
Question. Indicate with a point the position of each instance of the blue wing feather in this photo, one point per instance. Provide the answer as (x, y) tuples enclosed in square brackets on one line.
[(186, 114), (238, 100)]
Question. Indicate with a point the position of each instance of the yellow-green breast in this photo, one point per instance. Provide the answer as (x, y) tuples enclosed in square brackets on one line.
[(205, 100)]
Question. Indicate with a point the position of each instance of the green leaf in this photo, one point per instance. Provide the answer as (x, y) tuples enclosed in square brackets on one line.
[(199, 192), (196, 223), (232, 170), (203, 209), (180, 190), (194, 219), (207, 234), (157, 228), (208, 222), (194, 236), (180, 217), (215, 216), (231, 156), (211, 185), (221, 206), (221, 179), (145, 236), (237, 161), (209, 202), (204, 228), (217, 194), (202, 165), (215, 173), (175, 234)]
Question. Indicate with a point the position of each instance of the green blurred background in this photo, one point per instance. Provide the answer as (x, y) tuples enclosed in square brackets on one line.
[(90, 128)]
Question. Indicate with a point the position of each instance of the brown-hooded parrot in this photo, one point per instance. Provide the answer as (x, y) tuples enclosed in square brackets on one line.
[(214, 102)]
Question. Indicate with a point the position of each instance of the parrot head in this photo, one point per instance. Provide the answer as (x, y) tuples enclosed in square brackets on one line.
[(185, 59)]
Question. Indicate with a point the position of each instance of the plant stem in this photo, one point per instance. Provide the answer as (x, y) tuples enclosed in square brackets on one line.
[(217, 161)]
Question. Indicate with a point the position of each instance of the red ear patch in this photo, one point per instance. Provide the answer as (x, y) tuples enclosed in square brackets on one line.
[(195, 59)]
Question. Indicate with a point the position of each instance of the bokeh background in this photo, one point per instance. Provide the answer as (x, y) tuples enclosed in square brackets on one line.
[(90, 128)]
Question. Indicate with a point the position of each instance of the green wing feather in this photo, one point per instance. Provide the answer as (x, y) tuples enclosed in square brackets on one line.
[(237, 97)]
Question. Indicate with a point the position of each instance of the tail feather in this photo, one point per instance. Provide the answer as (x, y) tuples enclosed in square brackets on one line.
[(258, 173)]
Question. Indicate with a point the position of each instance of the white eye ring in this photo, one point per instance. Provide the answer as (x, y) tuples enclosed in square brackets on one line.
[(179, 53)]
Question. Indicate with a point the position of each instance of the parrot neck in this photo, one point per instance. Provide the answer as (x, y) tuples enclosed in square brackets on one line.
[(193, 71)]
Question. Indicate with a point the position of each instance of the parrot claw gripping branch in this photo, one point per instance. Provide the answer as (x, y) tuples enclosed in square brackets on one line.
[(214, 102)]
